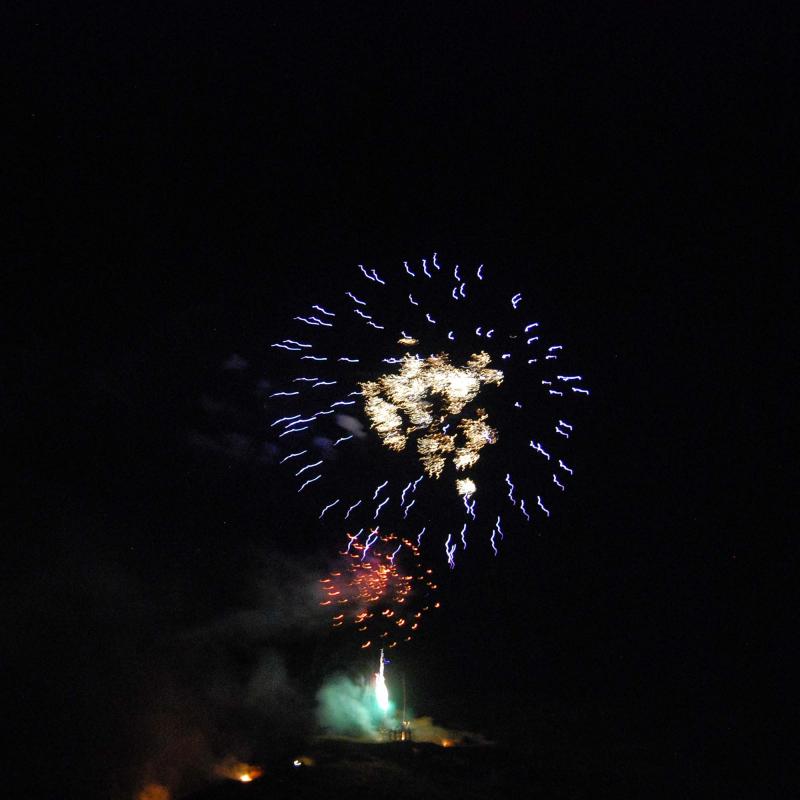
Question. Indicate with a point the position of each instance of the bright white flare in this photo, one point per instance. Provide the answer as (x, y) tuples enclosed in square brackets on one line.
[(466, 487), (381, 692)]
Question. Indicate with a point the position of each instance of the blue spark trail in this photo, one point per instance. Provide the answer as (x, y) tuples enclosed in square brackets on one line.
[(293, 455), (450, 551), (284, 419), (355, 505), (355, 299), (330, 505), (539, 503), (539, 449), (307, 466), (292, 430), (310, 480), (510, 490), (314, 322), (380, 506), (373, 535), (469, 506), (300, 421), (496, 529)]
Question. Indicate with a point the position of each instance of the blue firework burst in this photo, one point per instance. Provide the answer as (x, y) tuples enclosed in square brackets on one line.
[(427, 399)]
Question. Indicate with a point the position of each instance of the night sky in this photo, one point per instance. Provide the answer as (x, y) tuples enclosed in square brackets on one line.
[(185, 177)]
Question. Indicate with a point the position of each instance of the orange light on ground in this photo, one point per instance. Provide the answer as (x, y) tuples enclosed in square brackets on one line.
[(251, 774), (238, 770), (154, 791)]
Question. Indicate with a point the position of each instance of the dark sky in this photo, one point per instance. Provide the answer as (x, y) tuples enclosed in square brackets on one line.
[(179, 172)]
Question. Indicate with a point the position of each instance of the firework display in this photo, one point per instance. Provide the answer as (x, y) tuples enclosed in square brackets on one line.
[(380, 588), (442, 387)]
